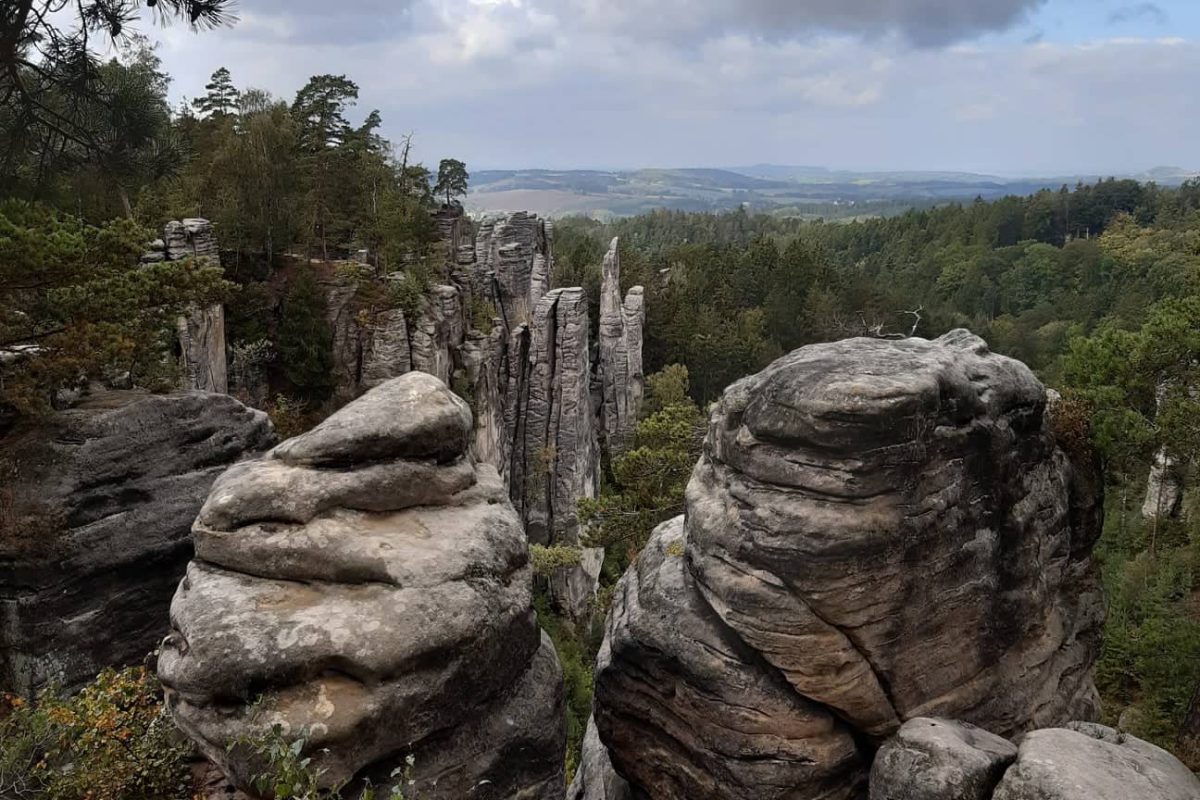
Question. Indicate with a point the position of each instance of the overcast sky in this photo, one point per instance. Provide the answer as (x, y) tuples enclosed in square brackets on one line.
[(1047, 87)]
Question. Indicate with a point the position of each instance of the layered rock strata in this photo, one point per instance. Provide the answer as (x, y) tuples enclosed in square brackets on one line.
[(366, 586), (620, 367), (876, 531), (94, 533)]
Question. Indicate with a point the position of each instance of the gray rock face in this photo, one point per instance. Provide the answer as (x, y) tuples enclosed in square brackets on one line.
[(388, 352), (595, 778), (555, 457), (938, 759), (438, 332), (1164, 489), (620, 367), (889, 531), (202, 350), (367, 584), (686, 709), (201, 333), (97, 535), (1091, 762), (520, 353)]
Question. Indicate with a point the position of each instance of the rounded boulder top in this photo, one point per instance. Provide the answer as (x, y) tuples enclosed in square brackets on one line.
[(413, 416), (840, 394)]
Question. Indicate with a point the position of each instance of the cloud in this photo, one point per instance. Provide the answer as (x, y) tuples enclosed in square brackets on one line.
[(925, 23), (1141, 11), (581, 83)]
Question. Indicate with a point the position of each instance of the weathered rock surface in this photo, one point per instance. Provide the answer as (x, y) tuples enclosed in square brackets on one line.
[(1164, 488), (1085, 761), (555, 455), (202, 358), (686, 709), (886, 530), (103, 497), (620, 367), (595, 778), (938, 759), (519, 352), (368, 584), (201, 332)]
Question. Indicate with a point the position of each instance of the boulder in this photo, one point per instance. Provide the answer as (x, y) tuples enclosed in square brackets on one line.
[(878, 530), (94, 530), (939, 759), (1092, 762), (366, 586)]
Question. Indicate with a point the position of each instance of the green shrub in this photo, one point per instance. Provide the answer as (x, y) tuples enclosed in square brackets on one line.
[(111, 741), (289, 774)]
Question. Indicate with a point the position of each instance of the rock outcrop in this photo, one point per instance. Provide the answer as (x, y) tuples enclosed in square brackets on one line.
[(1085, 761), (876, 531), (201, 332), (941, 760), (99, 501), (366, 585), (620, 369), (520, 352), (555, 456), (938, 759)]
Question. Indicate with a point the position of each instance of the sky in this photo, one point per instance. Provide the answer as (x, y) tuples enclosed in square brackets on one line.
[(1009, 87)]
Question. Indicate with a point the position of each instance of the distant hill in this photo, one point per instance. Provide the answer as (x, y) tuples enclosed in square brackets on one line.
[(774, 188)]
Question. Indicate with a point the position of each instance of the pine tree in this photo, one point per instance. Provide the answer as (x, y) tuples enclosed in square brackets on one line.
[(451, 179), (221, 96)]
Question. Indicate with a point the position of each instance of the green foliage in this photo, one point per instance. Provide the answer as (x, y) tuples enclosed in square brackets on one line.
[(1151, 656), (289, 774), (291, 417), (548, 560), (452, 179), (221, 98), (576, 651), (111, 741), (304, 340), (75, 303), (649, 478)]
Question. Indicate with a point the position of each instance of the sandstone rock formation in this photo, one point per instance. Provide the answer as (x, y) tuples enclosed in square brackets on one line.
[(595, 778), (876, 531), (94, 530), (1085, 761), (520, 353), (932, 759), (366, 585), (201, 333), (938, 759), (620, 368), (555, 456), (1164, 488)]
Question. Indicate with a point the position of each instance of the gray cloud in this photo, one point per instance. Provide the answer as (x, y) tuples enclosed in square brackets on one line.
[(322, 21), (925, 23), (581, 83), (1140, 11)]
